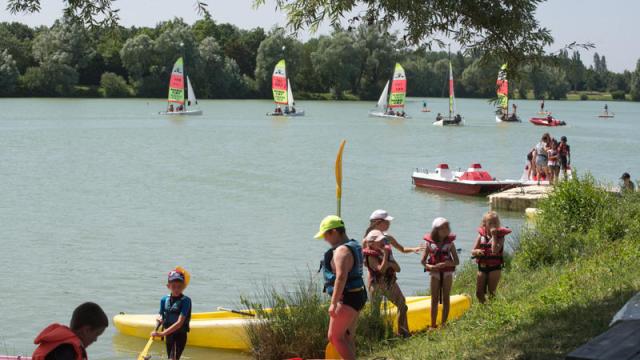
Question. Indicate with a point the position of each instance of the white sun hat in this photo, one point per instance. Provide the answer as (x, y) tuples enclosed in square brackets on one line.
[(437, 222), (380, 215)]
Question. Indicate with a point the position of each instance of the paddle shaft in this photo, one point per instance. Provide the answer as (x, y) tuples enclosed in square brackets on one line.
[(145, 351), (236, 311)]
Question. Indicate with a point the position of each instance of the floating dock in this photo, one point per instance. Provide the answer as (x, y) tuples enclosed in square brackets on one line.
[(520, 198)]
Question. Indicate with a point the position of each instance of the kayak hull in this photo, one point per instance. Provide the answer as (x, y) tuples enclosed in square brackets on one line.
[(224, 330), (463, 187), (181, 113), (545, 122), (510, 119), (445, 122)]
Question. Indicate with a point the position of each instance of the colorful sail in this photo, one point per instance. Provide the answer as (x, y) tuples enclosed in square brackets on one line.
[(176, 83), (398, 88), (452, 96), (502, 88), (279, 83)]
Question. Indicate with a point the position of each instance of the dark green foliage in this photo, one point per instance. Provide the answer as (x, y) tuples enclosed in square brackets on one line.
[(618, 95), (584, 97), (8, 74), (114, 86)]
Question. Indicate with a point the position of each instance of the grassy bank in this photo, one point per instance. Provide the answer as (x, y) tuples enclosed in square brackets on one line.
[(565, 282)]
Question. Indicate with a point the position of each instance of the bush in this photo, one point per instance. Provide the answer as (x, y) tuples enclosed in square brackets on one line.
[(115, 86), (577, 217), (295, 323), (618, 95), (584, 97)]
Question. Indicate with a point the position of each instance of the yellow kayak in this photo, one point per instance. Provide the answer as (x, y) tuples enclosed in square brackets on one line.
[(226, 330)]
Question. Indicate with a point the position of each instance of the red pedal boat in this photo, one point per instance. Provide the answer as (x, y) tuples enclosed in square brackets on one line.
[(546, 121), (474, 181)]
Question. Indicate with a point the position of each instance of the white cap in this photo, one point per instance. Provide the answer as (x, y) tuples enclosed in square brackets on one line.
[(380, 215), (437, 222)]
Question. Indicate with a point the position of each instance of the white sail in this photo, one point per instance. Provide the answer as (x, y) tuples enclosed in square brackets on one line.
[(382, 102), (290, 100), (191, 94)]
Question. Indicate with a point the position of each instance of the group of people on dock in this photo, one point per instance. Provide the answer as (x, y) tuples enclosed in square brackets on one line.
[(344, 262), (548, 158)]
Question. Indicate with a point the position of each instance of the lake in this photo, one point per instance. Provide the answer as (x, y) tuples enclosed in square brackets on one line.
[(101, 198)]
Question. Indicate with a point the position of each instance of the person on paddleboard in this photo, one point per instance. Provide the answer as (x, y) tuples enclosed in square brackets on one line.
[(440, 259), (542, 106), (343, 281), (378, 258), (59, 342), (175, 314), (606, 109), (487, 250)]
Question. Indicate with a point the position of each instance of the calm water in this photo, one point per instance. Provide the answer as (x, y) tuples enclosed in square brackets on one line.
[(101, 197)]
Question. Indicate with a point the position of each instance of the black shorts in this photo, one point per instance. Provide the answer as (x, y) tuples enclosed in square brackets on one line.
[(489, 269), (176, 343), (355, 299), (563, 162)]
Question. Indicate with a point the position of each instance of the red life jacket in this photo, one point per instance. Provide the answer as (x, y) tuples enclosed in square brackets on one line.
[(488, 258), (388, 276), (440, 251), (53, 336)]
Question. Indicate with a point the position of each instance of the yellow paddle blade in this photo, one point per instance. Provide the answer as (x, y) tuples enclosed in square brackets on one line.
[(145, 351), (339, 176), (331, 353)]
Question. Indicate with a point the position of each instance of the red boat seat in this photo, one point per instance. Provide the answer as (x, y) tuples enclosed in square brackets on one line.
[(476, 176)]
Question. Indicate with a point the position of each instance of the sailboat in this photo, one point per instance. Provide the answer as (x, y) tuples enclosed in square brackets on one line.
[(502, 90), (177, 105), (451, 120), (283, 93), (387, 103)]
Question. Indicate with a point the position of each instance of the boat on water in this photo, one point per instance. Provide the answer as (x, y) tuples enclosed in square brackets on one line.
[(473, 181), (176, 100), (607, 115), (391, 106), (452, 120), (547, 121), (283, 93), (227, 330), (502, 89)]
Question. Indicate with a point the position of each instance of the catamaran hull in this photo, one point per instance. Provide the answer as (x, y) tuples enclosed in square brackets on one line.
[(180, 113), (387, 116), (463, 187), (510, 119), (296, 114), (444, 122)]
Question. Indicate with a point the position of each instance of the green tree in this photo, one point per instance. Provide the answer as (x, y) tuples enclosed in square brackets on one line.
[(478, 79), (270, 52), (8, 73), (114, 86), (137, 55), (65, 43), (635, 83), (51, 78), (378, 54), (336, 62), (17, 39)]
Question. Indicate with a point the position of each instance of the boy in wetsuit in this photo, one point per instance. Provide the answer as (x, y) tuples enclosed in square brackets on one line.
[(342, 270), (59, 342), (175, 315)]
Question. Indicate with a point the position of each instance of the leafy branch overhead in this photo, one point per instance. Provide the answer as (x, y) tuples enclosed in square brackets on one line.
[(92, 13)]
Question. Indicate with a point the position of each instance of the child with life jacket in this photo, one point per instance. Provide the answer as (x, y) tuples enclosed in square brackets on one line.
[(378, 258), (175, 314), (488, 252), (440, 259), (60, 342)]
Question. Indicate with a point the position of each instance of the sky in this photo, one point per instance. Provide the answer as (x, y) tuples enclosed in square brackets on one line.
[(610, 25)]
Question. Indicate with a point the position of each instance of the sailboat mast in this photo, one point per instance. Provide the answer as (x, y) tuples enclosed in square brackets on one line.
[(184, 73), (450, 85)]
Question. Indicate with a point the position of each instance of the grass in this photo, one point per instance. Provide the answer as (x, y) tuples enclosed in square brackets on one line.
[(548, 308)]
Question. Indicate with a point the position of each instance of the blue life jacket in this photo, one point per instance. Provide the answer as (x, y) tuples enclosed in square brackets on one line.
[(171, 311), (354, 279)]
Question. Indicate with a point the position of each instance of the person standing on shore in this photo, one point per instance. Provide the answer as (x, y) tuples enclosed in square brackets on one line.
[(440, 259), (564, 153), (59, 342), (627, 184), (342, 271), (488, 252), (542, 157), (553, 164), (378, 258)]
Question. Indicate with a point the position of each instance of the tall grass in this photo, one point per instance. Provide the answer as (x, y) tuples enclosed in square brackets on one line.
[(294, 323)]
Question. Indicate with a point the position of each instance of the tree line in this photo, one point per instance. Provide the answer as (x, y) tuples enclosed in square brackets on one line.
[(223, 61)]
